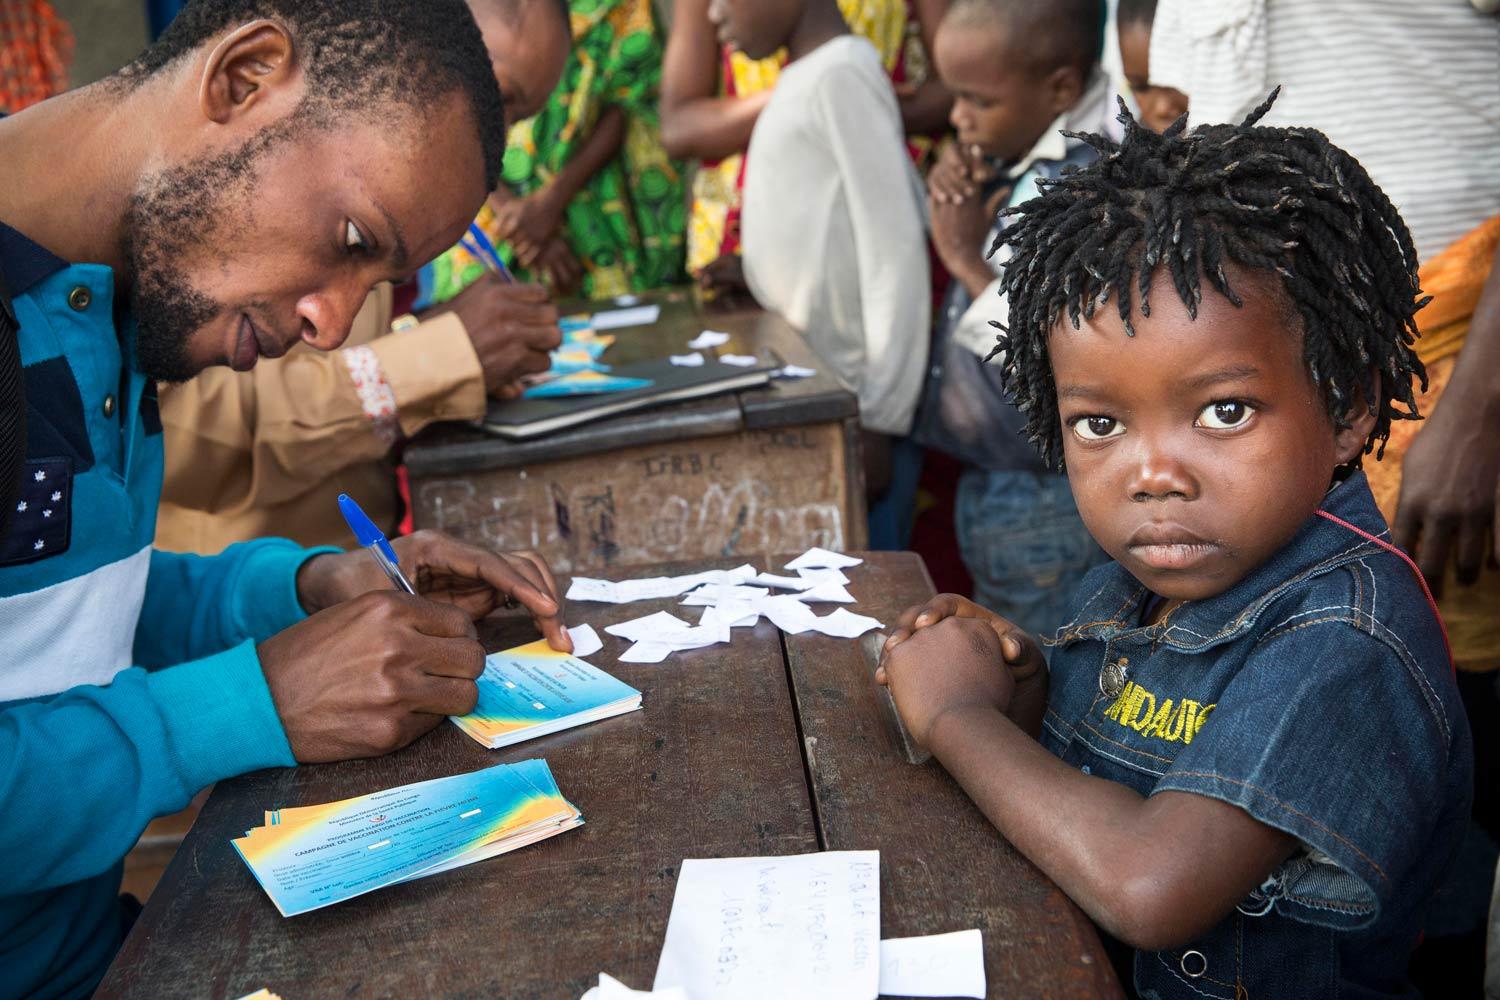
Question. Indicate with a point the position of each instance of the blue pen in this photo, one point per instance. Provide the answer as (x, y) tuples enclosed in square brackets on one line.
[(374, 539), (486, 252)]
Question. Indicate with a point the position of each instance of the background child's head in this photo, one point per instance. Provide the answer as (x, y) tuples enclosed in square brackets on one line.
[(1160, 106), (758, 28), (1014, 66), (1201, 431)]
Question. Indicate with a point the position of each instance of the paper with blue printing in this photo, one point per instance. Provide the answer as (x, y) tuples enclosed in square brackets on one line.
[(309, 857)]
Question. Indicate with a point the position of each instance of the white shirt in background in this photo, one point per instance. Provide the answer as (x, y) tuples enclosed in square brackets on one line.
[(1411, 88), (832, 227)]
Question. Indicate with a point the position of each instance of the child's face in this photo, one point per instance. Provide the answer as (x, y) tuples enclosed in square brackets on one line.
[(1195, 449), (1160, 106), (755, 27), (999, 104)]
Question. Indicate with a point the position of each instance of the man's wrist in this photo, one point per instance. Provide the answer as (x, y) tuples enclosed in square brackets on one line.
[(316, 583)]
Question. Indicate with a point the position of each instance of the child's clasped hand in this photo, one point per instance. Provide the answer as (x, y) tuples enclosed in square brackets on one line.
[(951, 656)]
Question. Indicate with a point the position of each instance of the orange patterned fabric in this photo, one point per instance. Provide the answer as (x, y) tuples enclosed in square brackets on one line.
[(1454, 279), (36, 48)]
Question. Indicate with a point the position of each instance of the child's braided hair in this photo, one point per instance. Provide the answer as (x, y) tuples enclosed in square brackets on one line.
[(1283, 200)]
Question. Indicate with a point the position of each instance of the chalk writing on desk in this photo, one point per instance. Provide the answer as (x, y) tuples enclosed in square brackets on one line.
[(782, 490)]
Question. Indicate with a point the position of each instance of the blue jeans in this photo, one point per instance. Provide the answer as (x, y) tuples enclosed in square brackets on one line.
[(1025, 545)]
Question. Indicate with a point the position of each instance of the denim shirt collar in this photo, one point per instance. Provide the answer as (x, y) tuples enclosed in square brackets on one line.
[(1112, 606)]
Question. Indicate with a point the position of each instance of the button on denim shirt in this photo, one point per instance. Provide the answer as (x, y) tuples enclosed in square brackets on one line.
[(1317, 695)]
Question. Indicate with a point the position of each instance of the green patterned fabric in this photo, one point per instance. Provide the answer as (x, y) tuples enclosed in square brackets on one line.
[(627, 224)]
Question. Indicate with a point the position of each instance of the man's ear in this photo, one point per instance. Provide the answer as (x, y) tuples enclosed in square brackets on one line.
[(244, 68), (1063, 87), (1349, 443)]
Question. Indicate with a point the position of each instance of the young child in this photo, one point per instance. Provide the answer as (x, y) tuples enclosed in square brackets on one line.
[(832, 221), (1248, 759), (1021, 73), (1160, 106)]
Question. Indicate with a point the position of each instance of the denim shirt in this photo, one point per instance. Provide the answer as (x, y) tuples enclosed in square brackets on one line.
[(1317, 695)]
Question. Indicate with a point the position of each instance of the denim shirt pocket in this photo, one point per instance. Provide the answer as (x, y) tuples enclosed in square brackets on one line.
[(1244, 958)]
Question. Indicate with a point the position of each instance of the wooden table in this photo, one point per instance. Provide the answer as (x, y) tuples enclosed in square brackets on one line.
[(771, 745), (749, 473)]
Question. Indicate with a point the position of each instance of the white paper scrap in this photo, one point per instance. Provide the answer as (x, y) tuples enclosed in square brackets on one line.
[(646, 652), (794, 371), (735, 614), (816, 558), (827, 593), (823, 575), (618, 319), (805, 927), (652, 588), (786, 582), (740, 360), (787, 613), (586, 641), (940, 965), (694, 360), (718, 593), (610, 988), (646, 628), (845, 624), (707, 339)]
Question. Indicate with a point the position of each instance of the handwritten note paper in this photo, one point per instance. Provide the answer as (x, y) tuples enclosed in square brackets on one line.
[(940, 965), (805, 927)]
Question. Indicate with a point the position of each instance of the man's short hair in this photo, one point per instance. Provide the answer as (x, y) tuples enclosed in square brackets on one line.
[(357, 53)]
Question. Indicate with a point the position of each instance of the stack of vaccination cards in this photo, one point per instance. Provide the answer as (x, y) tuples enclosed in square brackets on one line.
[(313, 856), (533, 690)]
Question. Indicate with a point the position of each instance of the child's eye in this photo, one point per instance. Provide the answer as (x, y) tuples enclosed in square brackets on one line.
[(1097, 428), (353, 238), (1224, 415)]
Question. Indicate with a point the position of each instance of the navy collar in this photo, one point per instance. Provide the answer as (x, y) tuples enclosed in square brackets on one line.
[(24, 264), (1112, 606)]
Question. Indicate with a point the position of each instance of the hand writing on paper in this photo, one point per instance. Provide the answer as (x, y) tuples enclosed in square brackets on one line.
[(946, 669), (372, 674), (475, 580), (512, 328)]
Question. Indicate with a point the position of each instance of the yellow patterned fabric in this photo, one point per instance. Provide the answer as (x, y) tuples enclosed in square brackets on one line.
[(1454, 279), (713, 227)]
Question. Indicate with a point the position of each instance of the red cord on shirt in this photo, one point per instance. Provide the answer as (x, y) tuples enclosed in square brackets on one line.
[(1408, 560)]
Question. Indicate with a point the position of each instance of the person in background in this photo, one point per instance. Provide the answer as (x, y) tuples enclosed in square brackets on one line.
[(236, 189), (1021, 72), (1160, 106), (711, 96), (590, 203), (267, 452), (833, 236), (36, 48)]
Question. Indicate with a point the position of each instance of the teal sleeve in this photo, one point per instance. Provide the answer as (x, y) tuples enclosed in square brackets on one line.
[(199, 605), (83, 772)]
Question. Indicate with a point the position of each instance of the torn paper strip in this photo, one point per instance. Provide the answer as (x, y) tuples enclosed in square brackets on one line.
[(707, 339), (816, 558)]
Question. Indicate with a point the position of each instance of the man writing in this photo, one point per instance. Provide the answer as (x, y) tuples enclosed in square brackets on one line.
[(238, 188), (266, 452)]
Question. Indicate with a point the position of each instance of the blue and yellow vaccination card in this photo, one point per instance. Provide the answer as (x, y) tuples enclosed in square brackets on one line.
[(309, 857), (533, 690)]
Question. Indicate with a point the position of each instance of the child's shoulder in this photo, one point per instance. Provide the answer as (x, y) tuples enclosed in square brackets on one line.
[(836, 64)]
